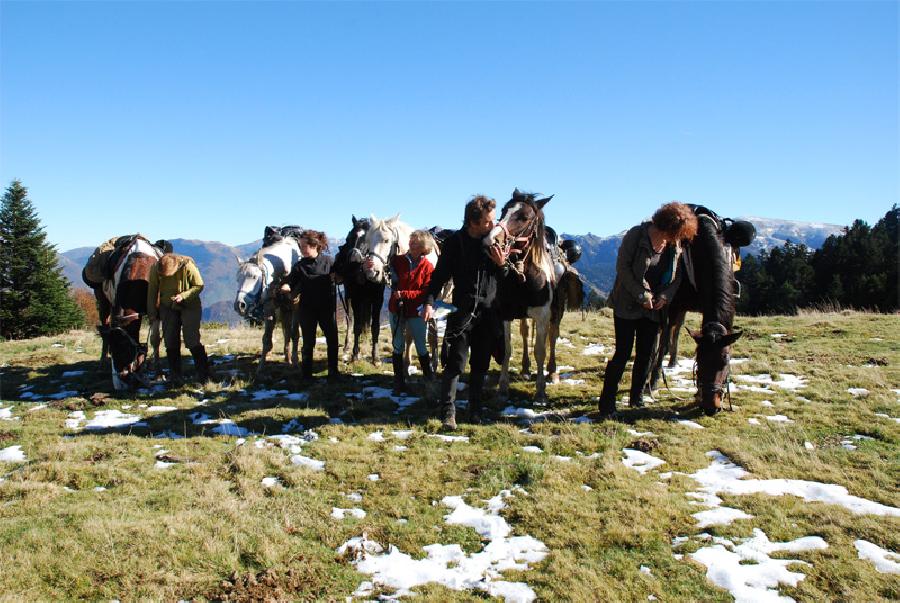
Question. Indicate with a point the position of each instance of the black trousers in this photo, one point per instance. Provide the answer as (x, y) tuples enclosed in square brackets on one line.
[(473, 340), (322, 317), (628, 331)]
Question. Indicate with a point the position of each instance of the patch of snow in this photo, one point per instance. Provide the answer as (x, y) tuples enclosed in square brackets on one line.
[(354, 496), (639, 434), (532, 449), (67, 374), (690, 424), (448, 564), (640, 461), (12, 454), (105, 419), (163, 465), (161, 408), (376, 436), (305, 461), (858, 391), (561, 458), (266, 394), (759, 579), (809, 446), (6, 413), (719, 516), (594, 349), (402, 434), (586, 488), (339, 513), (373, 477), (402, 402), (646, 570), (292, 425), (779, 419), (753, 421), (38, 407), (449, 438), (784, 381), (400, 448), (885, 561), (766, 403)]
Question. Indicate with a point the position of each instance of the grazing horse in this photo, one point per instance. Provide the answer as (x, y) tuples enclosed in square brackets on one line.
[(707, 287), (122, 303), (364, 298), (258, 297), (520, 232)]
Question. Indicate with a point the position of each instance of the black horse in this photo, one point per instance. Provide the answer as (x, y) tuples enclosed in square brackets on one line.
[(363, 299), (708, 287)]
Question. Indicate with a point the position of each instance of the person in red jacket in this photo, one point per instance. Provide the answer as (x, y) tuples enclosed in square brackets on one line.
[(410, 276)]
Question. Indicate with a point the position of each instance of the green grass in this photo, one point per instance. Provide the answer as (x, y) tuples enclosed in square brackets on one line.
[(205, 528)]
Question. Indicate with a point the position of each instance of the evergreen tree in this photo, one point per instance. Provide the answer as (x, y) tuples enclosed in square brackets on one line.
[(34, 294)]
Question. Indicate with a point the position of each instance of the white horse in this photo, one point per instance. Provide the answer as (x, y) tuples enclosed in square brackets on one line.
[(520, 231), (257, 297)]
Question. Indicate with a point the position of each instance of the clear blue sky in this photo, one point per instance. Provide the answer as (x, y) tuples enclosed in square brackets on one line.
[(208, 120)]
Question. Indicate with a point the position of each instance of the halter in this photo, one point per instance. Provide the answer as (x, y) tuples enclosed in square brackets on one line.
[(393, 251), (255, 300), (520, 244)]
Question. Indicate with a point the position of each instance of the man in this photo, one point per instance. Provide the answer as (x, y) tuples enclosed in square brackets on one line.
[(475, 324), (173, 296)]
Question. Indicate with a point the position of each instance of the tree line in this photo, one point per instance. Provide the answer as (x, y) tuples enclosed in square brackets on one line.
[(855, 269)]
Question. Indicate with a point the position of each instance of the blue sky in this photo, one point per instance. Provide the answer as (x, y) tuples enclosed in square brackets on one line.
[(209, 120)]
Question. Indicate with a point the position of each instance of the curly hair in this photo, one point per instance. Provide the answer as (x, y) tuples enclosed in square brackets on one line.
[(424, 237), (315, 238), (677, 220), (477, 207)]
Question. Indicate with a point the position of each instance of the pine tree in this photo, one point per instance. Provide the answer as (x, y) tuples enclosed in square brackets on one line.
[(34, 294)]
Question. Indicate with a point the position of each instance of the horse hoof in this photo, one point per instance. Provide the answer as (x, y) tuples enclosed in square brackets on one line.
[(711, 412)]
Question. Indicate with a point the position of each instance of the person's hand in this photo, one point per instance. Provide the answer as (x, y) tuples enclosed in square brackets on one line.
[(496, 254), (659, 302), (427, 312), (285, 288), (369, 263), (395, 296), (648, 305), (178, 298)]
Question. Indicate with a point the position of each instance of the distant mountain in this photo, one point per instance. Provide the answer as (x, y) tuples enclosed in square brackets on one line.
[(217, 261)]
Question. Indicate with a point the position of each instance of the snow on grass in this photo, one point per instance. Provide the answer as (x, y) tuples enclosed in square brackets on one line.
[(376, 436), (532, 449), (640, 461), (162, 408), (400, 448), (6, 413), (784, 381), (725, 477), (885, 561), (68, 374), (594, 349), (690, 424), (639, 434), (779, 419), (753, 421), (402, 402), (859, 392), (107, 419), (809, 446), (448, 564), (38, 407), (402, 434), (884, 416), (339, 513), (373, 477), (305, 461), (748, 572), (449, 438), (12, 454), (766, 403)]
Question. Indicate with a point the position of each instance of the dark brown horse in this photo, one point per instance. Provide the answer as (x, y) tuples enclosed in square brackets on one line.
[(122, 303), (707, 287)]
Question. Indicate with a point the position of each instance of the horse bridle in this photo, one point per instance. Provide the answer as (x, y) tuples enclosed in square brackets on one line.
[(511, 245), (393, 251), (255, 307)]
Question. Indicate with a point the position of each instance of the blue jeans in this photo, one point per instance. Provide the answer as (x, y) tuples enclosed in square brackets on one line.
[(416, 326)]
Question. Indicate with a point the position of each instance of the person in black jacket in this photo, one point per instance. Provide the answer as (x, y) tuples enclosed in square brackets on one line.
[(313, 280), (475, 323)]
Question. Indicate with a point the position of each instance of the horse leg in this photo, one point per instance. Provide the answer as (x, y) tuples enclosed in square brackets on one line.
[(266, 343), (348, 334), (526, 357), (376, 329), (540, 349), (673, 342), (503, 385), (154, 345), (295, 334), (551, 365), (285, 316)]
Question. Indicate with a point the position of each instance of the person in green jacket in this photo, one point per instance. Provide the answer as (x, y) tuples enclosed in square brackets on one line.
[(173, 296)]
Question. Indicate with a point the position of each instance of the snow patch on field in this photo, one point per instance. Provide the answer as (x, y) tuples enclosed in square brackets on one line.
[(12, 454), (448, 564), (640, 461), (885, 561)]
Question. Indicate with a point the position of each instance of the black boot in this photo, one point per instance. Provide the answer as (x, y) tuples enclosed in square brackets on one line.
[(425, 364), (399, 375), (476, 386), (173, 358), (201, 363), (448, 403)]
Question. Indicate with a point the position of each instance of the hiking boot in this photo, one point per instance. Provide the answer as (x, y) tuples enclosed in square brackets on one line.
[(448, 420), (173, 358), (201, 363), (399, 376), (607, 408), (636, 403)]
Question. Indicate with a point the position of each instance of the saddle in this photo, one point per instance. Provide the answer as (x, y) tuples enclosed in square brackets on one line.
[(273, 234)]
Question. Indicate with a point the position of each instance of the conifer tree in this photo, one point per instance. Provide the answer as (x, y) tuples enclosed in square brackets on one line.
[(34, 294)]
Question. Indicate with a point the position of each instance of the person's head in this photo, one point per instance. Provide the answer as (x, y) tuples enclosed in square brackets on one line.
[(420, 243), (675, 222), (312, 242), (479, 215), (168, 264)]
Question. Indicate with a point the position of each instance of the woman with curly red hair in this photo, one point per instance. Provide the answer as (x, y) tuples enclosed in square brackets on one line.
[(646, 279)]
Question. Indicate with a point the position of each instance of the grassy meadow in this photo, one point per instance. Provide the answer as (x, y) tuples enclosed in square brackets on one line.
[(121, 513)]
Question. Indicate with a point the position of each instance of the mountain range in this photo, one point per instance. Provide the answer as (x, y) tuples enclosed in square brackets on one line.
[(217, 261)]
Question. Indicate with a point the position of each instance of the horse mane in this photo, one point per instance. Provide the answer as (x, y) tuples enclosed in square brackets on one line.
[(715, 281)]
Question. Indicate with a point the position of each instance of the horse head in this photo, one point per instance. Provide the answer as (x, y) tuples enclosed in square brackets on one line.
[(126, 354), (521, 223), (383, 241), (713, 358), (251, 283), (351, 254)]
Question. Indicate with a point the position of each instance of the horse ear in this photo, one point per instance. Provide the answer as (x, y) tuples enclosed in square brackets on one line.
[(372, 220), (542, 202), (393, 220), (731, 337), (353, 217), (238, 258)]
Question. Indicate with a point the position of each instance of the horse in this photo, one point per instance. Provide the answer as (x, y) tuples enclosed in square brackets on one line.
[(258, 297), (567, 293), (122, 302), (708, 287), (529, 295), (364, 298)]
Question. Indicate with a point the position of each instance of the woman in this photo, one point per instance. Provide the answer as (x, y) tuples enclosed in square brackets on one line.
[(646, 279), (410, 276), (312, 279)]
